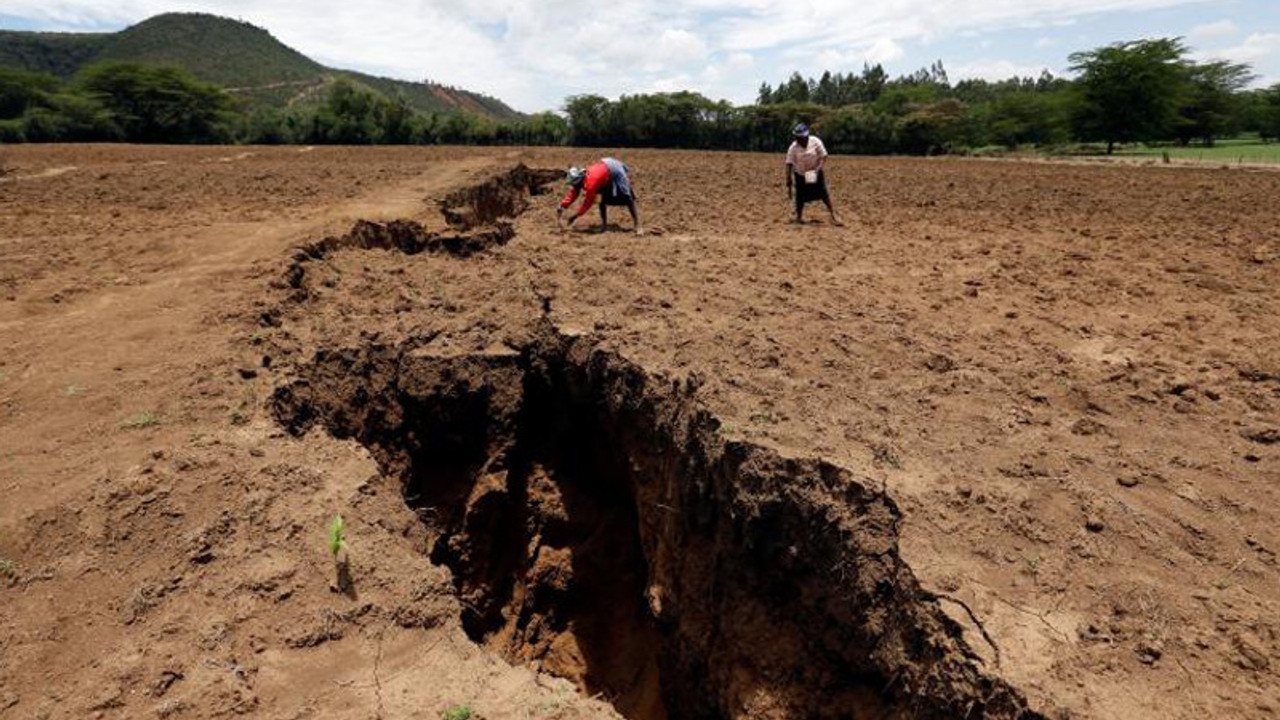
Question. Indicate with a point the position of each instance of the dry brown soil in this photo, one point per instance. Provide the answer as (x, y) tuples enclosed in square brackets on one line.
[(1005, 445)]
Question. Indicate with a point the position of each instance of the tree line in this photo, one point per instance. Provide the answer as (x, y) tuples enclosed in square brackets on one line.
[(1140, 91), (128, 102)]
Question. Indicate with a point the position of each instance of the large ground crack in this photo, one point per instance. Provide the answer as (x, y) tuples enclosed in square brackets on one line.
[(598, 526), (481, 217)]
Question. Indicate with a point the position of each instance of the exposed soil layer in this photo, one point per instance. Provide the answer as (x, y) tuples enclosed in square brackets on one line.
[(598, 524), (481, 213), (503, 196)]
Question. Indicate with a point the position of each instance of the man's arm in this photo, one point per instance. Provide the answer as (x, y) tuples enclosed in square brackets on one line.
[(588, 199), (791, 161), (564, 204)]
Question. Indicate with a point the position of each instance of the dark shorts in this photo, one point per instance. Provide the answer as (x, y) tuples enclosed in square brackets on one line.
[(612, 195), (807, 193)]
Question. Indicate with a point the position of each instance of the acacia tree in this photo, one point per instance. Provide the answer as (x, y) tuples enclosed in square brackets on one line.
[(159, 103), (1129, 91), (1213, 102)]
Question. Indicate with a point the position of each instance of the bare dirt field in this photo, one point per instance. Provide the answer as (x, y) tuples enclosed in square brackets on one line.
[(1005, 445)]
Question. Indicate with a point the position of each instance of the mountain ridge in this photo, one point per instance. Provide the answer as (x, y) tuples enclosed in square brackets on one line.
[(246, 59)]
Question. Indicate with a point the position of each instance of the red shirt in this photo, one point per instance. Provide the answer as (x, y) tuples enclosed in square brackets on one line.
[(598, 177)]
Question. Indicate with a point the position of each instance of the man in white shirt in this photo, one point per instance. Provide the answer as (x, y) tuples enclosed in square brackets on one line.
[(805, 159)]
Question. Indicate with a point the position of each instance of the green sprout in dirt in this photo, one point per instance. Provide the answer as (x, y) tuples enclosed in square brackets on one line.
[(338, 549), (458, 712), (337, 541)]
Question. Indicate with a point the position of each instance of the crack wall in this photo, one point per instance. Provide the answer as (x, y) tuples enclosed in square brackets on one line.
[(599, 527), (481, 216)]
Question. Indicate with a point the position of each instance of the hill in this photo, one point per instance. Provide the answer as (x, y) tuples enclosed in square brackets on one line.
[(246, 59)]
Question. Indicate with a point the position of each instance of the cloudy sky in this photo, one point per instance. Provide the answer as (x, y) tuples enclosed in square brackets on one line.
[(534, 53)]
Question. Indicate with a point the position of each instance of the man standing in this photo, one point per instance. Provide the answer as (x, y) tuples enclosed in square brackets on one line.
[(805, 159), (611, 180)]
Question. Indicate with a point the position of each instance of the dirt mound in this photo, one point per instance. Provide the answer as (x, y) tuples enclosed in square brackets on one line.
[(598, 525)]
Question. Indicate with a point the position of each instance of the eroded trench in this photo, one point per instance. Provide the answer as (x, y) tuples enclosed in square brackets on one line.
[(598, 526), (480, 217)]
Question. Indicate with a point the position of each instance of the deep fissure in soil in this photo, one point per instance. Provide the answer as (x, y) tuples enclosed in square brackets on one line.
[(481, 217), (599, 527), (501, 197)]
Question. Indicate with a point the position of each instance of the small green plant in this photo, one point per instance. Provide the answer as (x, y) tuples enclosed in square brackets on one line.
[(140, 420), (338, 549), (337, 539), (8, 569), (458, 712), (73, 390)]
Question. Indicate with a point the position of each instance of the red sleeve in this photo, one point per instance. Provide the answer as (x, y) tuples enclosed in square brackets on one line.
[(569, 198), (597, 176), (588, 199)]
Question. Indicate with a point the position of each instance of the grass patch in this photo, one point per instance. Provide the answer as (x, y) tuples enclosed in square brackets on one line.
[(458, 712), (8, 569), (140, 420), (1245, 149)]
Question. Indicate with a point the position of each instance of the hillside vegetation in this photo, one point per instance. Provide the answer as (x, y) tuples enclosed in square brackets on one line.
[(247, 60)]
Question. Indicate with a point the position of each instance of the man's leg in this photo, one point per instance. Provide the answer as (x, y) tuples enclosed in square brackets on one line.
[(635, 215), (799, 202), (834, 220), (604, 215), (826, 200)]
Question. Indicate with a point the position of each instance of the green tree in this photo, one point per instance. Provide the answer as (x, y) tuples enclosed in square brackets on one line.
[(1213, 105), (588, 119), (1022, 118), (932, 129), (1129, 91), (1268, 117), (159, 103), (20, 90), (68, 117), (859, 131)]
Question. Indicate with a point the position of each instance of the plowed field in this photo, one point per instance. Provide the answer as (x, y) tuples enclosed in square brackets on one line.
[(1007, 444)]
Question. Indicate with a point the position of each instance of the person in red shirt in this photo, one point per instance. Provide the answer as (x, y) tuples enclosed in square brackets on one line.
[(610, 180)]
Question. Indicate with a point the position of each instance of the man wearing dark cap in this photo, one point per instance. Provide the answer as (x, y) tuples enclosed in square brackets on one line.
[(805, 159)]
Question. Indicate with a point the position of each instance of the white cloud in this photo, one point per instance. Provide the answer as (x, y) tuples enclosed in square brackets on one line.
[(884, 50), (680, 46), (1257, 46), (1212, 30), (994, 70), (670, 84), (1046, 42), (533, 53)]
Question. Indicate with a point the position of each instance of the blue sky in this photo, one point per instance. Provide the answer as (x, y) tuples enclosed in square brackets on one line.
[(534, 53)]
